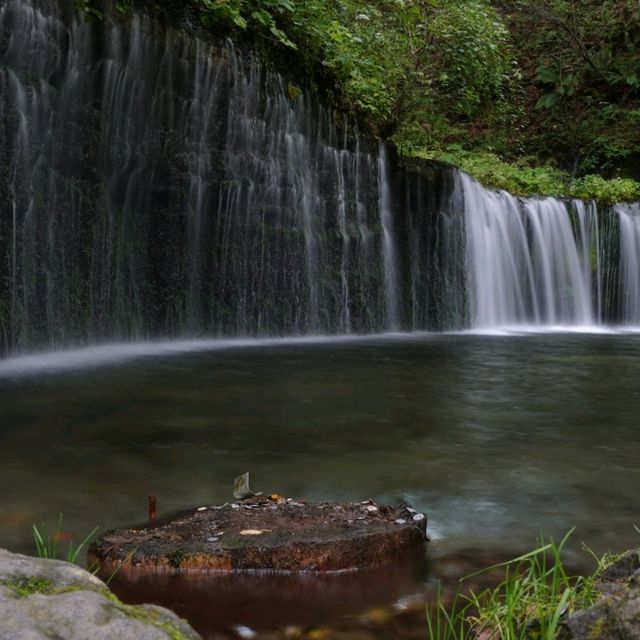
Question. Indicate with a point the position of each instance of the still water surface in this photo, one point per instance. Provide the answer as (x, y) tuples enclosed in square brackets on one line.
[(495, 437)]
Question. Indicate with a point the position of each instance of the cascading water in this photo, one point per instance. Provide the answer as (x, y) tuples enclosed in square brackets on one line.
[(629, 216), (388, 242), (153, 183), (162, 185), (539, 261)]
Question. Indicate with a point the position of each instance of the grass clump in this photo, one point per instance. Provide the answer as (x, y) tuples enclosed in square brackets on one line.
[(47, 543), (536, 594)]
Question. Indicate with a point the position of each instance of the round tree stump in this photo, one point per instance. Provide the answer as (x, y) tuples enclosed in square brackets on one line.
[(266, 534)]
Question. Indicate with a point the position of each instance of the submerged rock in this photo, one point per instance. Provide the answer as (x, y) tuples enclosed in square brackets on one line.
[(266, 535), (43, 599)]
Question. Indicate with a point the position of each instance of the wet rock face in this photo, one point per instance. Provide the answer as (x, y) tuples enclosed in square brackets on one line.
[(616, 616), (42, 599), (267, 535)]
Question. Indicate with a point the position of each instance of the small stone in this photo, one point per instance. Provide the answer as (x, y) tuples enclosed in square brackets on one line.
[(235, 506), (400, 521), (410, 510), (202, 508), (418, 517), (246, 633), (371, 508), (213, 539)]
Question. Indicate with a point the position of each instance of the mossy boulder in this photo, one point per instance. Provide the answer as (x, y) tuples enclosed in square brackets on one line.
[(43, 599)]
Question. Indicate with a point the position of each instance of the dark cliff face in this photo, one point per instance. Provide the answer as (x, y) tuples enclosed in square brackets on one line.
[(155, 183)]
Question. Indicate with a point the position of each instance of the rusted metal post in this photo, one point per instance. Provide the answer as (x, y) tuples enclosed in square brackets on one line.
[(153, 514)]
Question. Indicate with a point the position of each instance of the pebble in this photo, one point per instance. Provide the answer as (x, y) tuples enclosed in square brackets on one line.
[(213, 539), (235, 506), (371, 508), (418, 517), (400, 521), (244, 632), (202, 508), (410, 510)]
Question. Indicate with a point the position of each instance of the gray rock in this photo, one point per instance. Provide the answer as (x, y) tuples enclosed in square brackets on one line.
[(49, 599), (616, 615)]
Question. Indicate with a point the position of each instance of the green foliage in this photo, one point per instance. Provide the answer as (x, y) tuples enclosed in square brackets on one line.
[(264, 16), (493, 172), (521, 179), (581, 78), (389, 60), (471, 46), (613, 190)]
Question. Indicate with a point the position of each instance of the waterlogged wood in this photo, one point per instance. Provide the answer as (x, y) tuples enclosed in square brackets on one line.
[(266, 534)]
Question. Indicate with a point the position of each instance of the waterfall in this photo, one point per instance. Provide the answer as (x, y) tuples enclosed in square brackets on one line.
[(156, 183), (388, 241), (530, 260), (629, 216)]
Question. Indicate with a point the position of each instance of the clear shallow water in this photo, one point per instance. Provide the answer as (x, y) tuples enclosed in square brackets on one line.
[(496, 437)]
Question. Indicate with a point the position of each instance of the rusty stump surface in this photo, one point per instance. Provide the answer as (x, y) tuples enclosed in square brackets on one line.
[(266, 534)]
